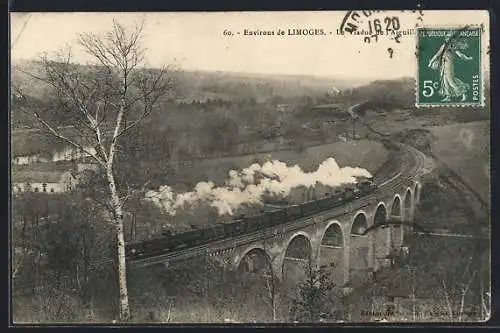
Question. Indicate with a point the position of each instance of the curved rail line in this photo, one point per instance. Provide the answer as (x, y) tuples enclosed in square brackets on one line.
[(410, 168)]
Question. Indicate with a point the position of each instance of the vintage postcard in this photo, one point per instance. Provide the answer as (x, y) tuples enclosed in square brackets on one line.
[(250, 167)]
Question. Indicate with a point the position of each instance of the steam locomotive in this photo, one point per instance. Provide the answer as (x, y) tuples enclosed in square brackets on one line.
[(169, 242)]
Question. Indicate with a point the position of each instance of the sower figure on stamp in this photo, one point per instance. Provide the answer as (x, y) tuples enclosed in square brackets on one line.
[(443, 60)]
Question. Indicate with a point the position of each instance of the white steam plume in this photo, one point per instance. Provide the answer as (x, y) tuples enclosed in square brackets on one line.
[(250, 185)]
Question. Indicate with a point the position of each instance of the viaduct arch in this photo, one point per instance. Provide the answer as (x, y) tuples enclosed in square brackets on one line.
[(397, 217), (298, 253), (359, 248), (331, 249), (356, 243)]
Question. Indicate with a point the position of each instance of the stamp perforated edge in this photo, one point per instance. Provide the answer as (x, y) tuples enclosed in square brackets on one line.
[(482, 65)]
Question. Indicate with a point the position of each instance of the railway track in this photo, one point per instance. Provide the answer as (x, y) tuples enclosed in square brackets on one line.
[(410, 169)]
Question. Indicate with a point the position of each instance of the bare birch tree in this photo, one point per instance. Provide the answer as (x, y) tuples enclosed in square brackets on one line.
[(104, 101)]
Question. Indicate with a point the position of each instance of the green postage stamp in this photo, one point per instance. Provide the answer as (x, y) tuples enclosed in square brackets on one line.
[(450, 71)]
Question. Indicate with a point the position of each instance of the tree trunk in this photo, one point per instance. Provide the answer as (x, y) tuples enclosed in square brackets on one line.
[(482, 298), (24, 228), (271, 287), (273, 299), (122, 268)]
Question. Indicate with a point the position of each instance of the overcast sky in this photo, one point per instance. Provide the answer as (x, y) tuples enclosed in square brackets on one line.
[(196, 40)]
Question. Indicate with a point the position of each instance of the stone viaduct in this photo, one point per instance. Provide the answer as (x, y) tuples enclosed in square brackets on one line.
[(355, 237), (348, 240)]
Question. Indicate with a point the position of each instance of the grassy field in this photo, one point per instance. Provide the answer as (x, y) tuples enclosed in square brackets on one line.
[(465, 148), (363, 153)]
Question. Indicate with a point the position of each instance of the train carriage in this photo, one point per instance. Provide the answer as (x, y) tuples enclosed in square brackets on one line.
[(215, 231), (133, 249), (333, 201), (257, 222), (232, 228), (366, 186), (324, 203), (265, 221), (188, 238), (293, 212), (150, 246), (348, 194), (278, 217), (254, 222), (309, 208)]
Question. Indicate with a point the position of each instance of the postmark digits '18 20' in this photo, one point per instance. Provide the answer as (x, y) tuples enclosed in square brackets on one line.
[(449, 67)]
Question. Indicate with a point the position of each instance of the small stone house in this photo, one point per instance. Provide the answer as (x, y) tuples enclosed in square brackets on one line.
[(48, 181)]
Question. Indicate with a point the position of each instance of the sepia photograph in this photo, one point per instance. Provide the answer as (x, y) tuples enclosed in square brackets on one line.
[(250, 167)]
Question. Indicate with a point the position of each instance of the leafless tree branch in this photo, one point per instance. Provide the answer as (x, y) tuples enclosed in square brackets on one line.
[(60, 136), (151, 90), (447, 299)]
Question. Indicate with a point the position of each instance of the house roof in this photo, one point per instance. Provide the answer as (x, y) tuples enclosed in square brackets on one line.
[(37, 176), (336, 106), (325, 110)]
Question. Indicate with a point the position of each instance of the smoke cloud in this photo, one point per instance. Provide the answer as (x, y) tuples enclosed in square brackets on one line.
[(250, 185)]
